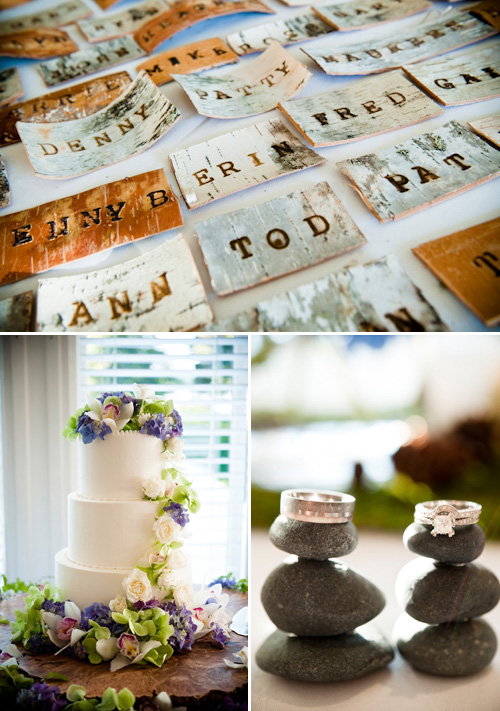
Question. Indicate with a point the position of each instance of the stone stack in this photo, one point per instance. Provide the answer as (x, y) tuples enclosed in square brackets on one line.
[(320, 607), (443, 594)]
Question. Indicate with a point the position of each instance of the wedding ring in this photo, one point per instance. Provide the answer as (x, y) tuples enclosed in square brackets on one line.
[(445, 514), (317, 505)]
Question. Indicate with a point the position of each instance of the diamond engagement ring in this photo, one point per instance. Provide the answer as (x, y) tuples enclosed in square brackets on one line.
[(317, 505), (445, 514)]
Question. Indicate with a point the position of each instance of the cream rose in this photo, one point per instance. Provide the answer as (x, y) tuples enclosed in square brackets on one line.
[(137, 586), (176, 559), (166, 529), (183, 595), (165, 580), (153, 488), (175, 445), (118, 604)]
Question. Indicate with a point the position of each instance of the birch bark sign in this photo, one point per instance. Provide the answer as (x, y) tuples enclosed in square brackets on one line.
[(488, 127), (358, 14), (160, 291), (255, 88), (366, 107), (489, 11), (468, 262), (462, 77), (235, 161), (129, 125), (15, 312), (190, 58), (302, 27), (425, 170), (253, 245), (57, 16), (421, 41), (37, 44), (74, 102), (121, 23), (4, 185), (58, 232), (90, 60), (10, 86), (185, 13)]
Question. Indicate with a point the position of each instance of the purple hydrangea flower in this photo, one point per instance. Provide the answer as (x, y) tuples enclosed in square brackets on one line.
[(148, 706), (98, 612), (52, 606), (39, 643), (182, 622), (41, 696), (139, 605), (225, 580), (125, 399), (175, 427), (91, 429), (229, 704), (219, 636), (178, 513), (78, 651), (155, 426)]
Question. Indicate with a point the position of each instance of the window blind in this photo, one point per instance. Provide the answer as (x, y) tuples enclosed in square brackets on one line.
[(207, 377)]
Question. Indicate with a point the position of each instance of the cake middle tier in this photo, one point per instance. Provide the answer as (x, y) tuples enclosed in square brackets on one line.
[(109, 533)]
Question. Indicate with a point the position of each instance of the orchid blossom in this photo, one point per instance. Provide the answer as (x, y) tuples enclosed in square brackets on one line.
[(134, 651), (63, 631), (116, 417), (243, 656)]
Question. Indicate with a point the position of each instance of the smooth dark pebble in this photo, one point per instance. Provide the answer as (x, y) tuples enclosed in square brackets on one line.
[(465, 546), (317, 541)]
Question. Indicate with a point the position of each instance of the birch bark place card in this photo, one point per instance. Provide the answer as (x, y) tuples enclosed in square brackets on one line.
[(420, 41), (250, 246), (255, 88), (130, 124), (488, 128), (366, 107), (57, 16), (121, 23), (15, 312), (58, 232), (470, 75), (73, 102), (10, 86), (7, 4), (302, 27), (235, 161), (359, 14), (489, 11), (4, 185), (402, 179), (37, 44), (185, 13), (159, 291), (468, 262), (205, 54), (89, 60)]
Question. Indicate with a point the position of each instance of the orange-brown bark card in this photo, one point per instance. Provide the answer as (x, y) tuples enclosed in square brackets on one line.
[(37, 44)]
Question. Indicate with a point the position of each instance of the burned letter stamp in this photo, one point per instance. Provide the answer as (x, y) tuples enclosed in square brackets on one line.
[(121, 23), (10, 86), (468, 262), (305, 26), (129, 125), (235, 161), (57, 16), (37, 44), (358, 14), (58, 232), (363, 108), (255, 88), (255, 244), (4, 185), (488, 128), (488, 10), (15, 312), (422, 171), (159, 291)]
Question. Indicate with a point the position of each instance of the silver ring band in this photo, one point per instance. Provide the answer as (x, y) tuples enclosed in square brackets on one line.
[(317, 505), (445, 514)]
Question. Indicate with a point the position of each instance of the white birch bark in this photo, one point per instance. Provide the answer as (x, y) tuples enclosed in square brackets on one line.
[(121, 23), (359, 14), (488, 127), (4, 185), (10, 86), (60, 15), (15, 312)]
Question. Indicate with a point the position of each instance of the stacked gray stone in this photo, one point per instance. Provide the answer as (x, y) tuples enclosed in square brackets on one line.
[(443, 594), (320, 606)]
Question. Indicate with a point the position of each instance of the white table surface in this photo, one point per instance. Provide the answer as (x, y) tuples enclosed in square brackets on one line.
[(379, 556), (473, 207)]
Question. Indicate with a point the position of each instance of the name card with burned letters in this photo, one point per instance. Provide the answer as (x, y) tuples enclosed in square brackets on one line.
[(58, 232), (57, 16), (235, 161), (10, 86), (4, 185), (255, 88), (359, 14), (488, 10), (37, 44), (160, 291), (129, 125), (15, 312), (366, 107), (422, 171), (488, 128), (121, 23), (427, 39), (250, 246)]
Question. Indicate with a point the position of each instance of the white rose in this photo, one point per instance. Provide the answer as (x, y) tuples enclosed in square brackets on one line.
[(153, 488), (175, 445), (165, 580), (166, 529), (183, 595), (137, 586), (118, 604), (176, 559)]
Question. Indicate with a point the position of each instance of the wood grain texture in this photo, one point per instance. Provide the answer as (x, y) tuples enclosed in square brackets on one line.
[(4, 185), (127, 126), (37, 44), (423, 40), (89, 60), (366, 107), (190, 58), (61, 231), (402, 179), (74, 102), (255, 88), (468, 262), (15, 313), (304, 26), (121, 23), (359, 14), (58, 16), (488, 128), (159, 291), (210, 170), (470, 75), (266, 241), (488, 10), (10, 87), (185, 13), (375, 297)]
